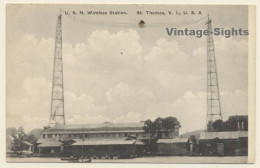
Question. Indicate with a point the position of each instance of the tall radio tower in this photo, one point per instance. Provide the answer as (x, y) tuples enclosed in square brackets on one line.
[(57, 115), (213, 98)]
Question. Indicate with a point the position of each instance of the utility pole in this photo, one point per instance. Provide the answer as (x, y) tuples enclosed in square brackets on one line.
[(213, 98), (57, 115)]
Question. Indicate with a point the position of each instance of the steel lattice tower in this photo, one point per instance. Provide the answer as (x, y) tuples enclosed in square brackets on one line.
[(57, 115), (213, 98)]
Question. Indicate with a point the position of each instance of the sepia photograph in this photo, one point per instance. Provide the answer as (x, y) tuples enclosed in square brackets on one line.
[(130, 83)]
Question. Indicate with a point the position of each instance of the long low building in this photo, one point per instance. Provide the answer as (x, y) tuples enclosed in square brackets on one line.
[(104, 147), (103, 131), (106, 138), (224, 143)]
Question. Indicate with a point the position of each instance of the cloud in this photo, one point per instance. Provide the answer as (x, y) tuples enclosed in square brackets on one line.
[(234, 103), (119, 93), (190, 109), (86, 119), (80, 105), (129, 117), (33, 110), (232, 58), (124, 100), (110, 77), (114, 44), (36, 88), (200, 51), (166, 51)]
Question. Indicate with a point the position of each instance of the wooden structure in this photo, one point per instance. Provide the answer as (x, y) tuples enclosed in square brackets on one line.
[(104, 148), (50, 147), (176, 146)]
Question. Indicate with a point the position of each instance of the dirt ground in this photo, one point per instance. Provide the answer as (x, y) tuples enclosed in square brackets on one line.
[(156, 159)]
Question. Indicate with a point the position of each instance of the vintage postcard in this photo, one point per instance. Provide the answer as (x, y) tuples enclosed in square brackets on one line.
[(130, 83)]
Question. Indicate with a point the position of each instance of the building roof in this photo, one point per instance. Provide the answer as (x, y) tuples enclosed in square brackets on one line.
[(27, 143), (97, 127), (50, 143), (243, 134), (175, 140), (83, 131), (223, 135), (238, 117), (10, 137), (42, 141), (80, 142), (139, 143), (102, 125)]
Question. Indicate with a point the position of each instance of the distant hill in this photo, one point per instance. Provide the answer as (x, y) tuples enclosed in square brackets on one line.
[(195, 133), (36, 132)]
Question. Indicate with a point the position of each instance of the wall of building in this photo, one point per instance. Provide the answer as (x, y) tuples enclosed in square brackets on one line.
[(66, 135), (172, 149), (50, 150), (105, 135), (104, 150), (232, 147)]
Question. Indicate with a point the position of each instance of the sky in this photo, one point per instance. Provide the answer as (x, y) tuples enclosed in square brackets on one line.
[(116, 71)]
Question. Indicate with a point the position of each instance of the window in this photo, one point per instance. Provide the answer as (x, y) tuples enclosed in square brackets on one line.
[(49, 135), (43, 136), (69, 135)]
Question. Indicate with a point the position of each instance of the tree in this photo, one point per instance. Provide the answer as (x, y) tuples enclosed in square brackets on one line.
[(193, 138), (15, 139), (218, 125), (148, 128), (17, 144), (171, 123), (36, 132), (21, 133), (158, 127), (161, 124), (148, 124), (11, 131), (30, 138)]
